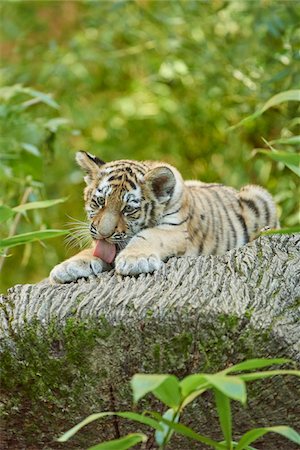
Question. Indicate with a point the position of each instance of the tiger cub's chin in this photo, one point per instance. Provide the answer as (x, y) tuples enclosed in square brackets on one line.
[(166, 216)]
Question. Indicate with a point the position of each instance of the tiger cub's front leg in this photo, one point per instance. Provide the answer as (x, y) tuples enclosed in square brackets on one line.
[(148, 249), (81, 265)]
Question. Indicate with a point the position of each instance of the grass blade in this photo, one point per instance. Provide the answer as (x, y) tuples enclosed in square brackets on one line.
[(224, 413), (122, 443), (256, 433), (256, 363), (271, 373), (126, 415)]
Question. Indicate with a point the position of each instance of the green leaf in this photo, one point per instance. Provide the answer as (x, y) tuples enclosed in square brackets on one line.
[(163, 436), (188, 432), (285, 96), (290, 160), (54, 124), (292, 95), (257, 363), (232, 386), (290, 141), (294, 169), (284, 157), (122, 443), (21, 239), (256, 433), (234, 444), (44, 98), (271, 373), (5, 213), (31, 149), (290, 230), (168, 392), (224, 412), (39, 205), (142, 384), (192, 383), (126, 415)]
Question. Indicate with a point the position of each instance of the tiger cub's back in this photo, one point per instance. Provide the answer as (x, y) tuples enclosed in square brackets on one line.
[(222, 218)]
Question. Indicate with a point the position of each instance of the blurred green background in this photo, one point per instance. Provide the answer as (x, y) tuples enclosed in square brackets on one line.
[(143, 80)]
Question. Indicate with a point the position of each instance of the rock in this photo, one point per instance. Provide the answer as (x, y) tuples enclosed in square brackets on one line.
[(70, 350)]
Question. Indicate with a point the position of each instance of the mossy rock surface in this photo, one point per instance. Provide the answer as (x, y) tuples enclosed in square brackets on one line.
[(70, 350)]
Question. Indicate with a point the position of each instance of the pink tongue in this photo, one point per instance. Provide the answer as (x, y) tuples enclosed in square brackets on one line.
[(105, 251)]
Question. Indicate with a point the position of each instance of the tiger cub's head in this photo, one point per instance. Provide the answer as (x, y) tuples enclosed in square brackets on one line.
[(123, 197)]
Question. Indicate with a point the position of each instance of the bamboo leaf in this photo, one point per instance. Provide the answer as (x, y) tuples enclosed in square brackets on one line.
[(284, 157), (192, 383), (38, 205), (285, 96), (232, 386), (256, 433), (224, 413), (44, 98), (20, 239), (271, 373), (126, 415), (122, 443), (290, 230), (164, 387), (257, 363), (290, 140)]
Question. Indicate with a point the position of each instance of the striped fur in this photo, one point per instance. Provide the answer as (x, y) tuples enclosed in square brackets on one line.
[(150, 214)]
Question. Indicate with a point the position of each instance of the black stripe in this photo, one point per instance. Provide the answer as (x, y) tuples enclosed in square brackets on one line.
[(216, 227), (152, 222), (132, 184), (233, 230), (174, 212), (115, 177), (206, 186), (267, 209), (175, 224), (124, 166), (140, 237), (243, 223), (251, 205)]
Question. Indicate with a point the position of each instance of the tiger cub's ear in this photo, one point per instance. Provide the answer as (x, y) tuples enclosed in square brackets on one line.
[(89, 163), (161, 181)]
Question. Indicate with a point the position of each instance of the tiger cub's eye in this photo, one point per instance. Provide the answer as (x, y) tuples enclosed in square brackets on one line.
[(100, 201), (129, 209)]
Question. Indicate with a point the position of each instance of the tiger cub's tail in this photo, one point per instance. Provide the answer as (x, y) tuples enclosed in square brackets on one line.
[(259, 209)]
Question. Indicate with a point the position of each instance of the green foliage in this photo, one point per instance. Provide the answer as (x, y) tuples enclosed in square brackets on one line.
[(287, 158), (23, 136), (177, 394), (87, 75)]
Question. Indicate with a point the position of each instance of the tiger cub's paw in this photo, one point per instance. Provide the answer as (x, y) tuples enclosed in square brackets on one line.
[(73, 269), (129, 262)]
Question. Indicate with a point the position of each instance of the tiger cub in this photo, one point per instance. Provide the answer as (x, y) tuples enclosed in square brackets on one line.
[(142, 213)]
